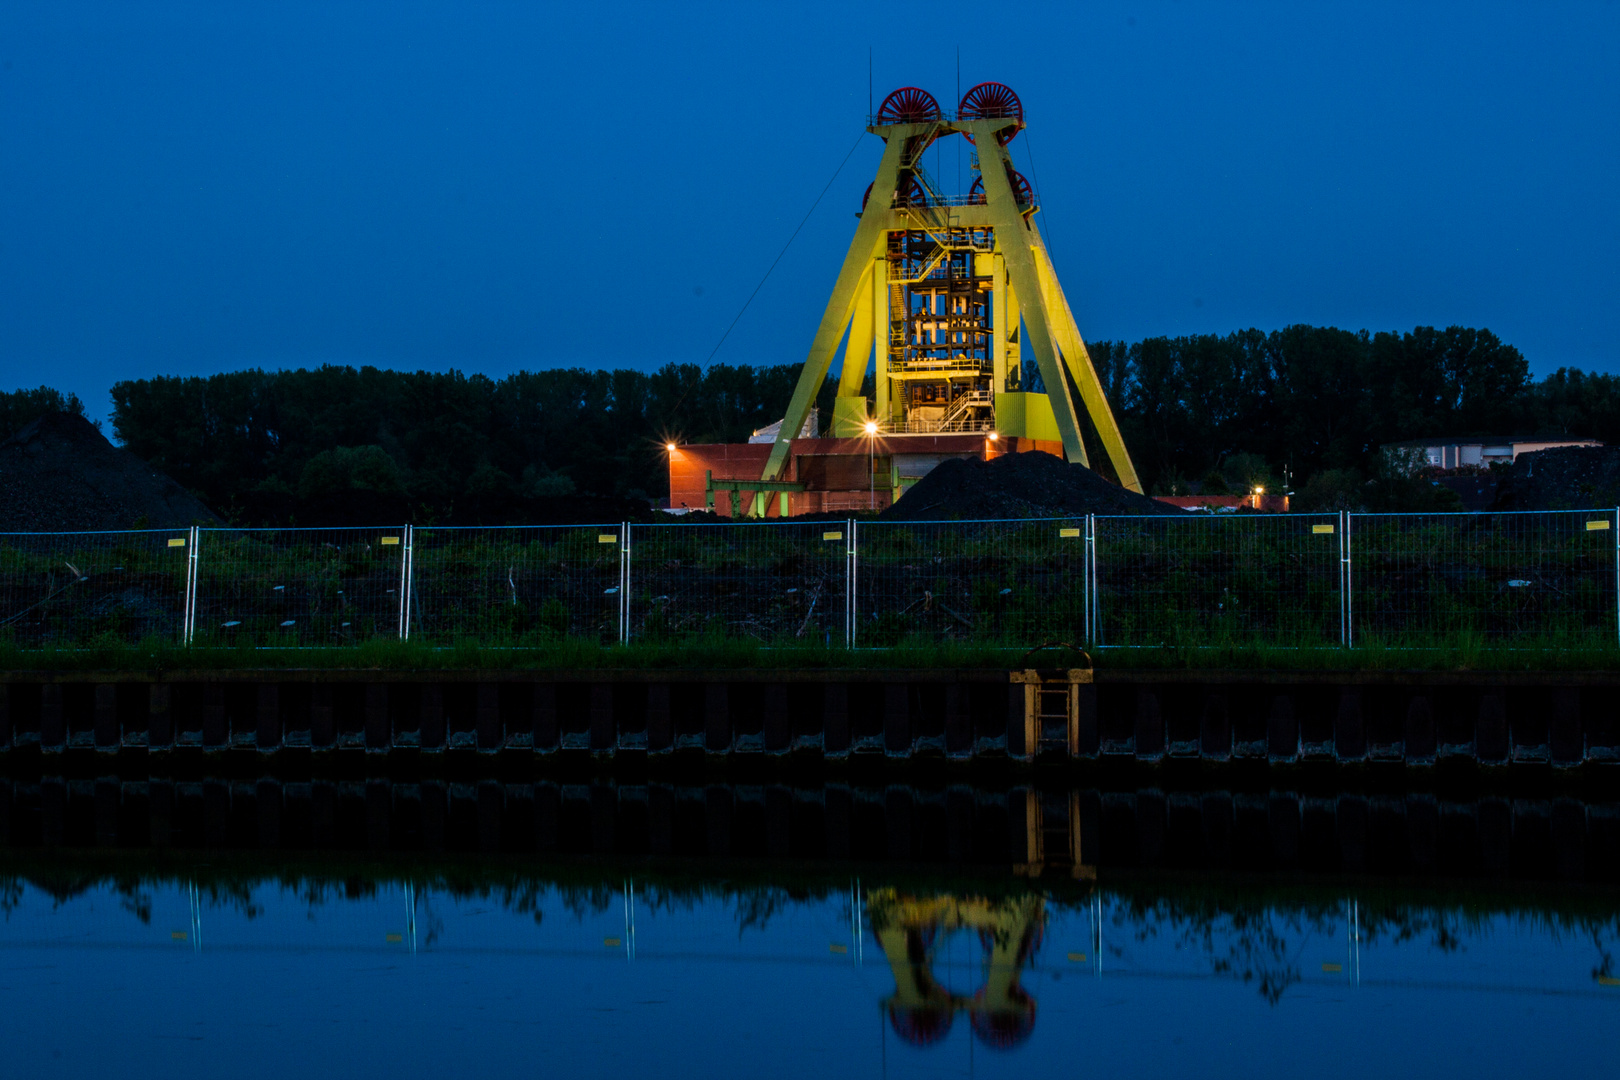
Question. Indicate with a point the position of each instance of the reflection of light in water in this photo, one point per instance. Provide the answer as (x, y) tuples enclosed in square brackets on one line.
[(912, 929)]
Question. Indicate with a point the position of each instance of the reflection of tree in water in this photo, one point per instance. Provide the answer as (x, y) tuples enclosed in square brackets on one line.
[(1260, 943), (1257, 944), (11, 892), (1254, 935), (432, 923), (911, 931), (1605, 964)]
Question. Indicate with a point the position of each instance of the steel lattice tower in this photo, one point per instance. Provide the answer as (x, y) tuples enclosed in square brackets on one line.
[(945, 294)]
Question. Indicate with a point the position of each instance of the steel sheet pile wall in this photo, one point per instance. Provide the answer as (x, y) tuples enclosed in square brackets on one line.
[(1410, 719), (1539, 580)]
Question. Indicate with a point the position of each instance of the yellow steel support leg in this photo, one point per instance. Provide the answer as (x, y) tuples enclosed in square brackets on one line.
[(1067, 333), (858, 352), (863, 250), (1017, 247), (882, 406), (999, 312)]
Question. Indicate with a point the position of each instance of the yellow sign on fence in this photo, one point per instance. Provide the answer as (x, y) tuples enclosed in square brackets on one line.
[(1322, 530), (607, 538), (1068, 532), (832, 536), (1596, 526), (390, 540), (178, 541)]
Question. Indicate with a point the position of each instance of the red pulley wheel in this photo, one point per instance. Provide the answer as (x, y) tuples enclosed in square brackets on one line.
[(993, 101), (1022, 193), (911, 193), (908, 105)]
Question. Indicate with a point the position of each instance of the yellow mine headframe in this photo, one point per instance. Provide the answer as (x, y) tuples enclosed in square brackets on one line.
[(945, 292)]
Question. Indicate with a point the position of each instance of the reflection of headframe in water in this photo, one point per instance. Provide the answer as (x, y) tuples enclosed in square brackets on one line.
[(909, 928)]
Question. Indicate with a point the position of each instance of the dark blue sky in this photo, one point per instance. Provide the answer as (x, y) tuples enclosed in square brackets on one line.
[(196, 188)]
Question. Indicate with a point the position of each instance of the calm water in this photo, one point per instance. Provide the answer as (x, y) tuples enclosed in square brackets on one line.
[(133, 961)]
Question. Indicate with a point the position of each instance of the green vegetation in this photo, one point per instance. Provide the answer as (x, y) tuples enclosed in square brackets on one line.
[(1520, 589), (1465, 653)]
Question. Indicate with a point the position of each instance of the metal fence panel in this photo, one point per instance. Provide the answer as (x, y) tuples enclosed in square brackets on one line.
[(518, 585), (994, 582), (1210, 580), (298, 587), (1541, 579), (1424, 579), (782, 583), (72, 589)]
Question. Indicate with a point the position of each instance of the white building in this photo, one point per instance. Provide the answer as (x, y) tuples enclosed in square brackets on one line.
[(1458, 453)]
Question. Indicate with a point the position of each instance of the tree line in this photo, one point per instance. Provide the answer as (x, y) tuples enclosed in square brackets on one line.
[(19, 408), (1310, 407), (1304, 406), (340, 444)]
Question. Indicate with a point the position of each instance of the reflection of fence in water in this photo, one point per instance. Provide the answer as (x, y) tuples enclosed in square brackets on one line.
[(298, 587), (1249, 579), (782, 583), (1018, 582), (515, 585), (70, 589), (1502, 576)]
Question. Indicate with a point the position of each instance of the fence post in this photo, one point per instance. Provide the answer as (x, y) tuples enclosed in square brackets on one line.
[(1090, 574), (407, 575), (849, 583), (624, 583), (189, 622), (850, 586), (1338, 571), (1347, 626)]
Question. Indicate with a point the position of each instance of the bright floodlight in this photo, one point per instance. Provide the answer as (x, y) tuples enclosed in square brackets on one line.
[(993, 436), (871, 427), (670, 447), (1259, 490)]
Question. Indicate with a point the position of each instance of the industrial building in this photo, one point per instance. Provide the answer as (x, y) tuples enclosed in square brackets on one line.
[(942, 297)]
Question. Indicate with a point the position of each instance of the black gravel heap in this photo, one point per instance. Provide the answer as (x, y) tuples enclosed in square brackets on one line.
[(1025, 485)]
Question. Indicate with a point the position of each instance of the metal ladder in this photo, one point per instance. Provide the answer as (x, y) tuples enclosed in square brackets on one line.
[(1052, 835), (1051, 709)]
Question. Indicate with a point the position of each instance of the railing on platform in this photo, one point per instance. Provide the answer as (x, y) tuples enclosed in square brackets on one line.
[(1545, 579)]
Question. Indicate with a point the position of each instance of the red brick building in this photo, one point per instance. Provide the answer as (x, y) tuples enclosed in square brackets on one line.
[(831, 474)]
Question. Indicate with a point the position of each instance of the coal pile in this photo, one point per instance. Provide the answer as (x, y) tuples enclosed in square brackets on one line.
[(1563, 478), (59, 474), (1028, 485)]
